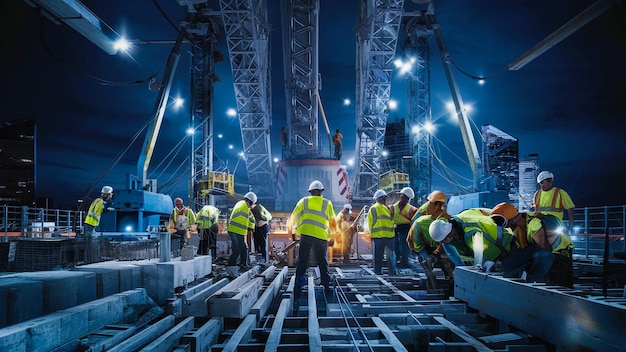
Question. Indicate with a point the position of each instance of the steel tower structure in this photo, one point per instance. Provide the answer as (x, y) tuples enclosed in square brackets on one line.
[(300, 19), (247, 33), (419, 31), (377, 37)]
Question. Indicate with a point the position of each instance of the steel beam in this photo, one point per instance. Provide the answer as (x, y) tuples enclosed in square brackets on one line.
[(552, 313)]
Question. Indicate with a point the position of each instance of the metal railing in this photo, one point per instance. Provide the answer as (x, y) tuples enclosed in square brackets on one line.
[(39, 222), (592, 225)]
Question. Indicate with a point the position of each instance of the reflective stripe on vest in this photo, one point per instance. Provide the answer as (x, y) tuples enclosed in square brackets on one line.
[(553, 206), (240, 219), (305, 220), (95, 210), (402, 216), (382, 223)]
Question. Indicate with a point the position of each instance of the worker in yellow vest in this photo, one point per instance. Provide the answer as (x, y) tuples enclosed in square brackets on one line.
[(314, 220), (550, 200), (381, 230), (182, 222), (207, 219), (240, 223), (543, 235), (92, 220), (402, 213)]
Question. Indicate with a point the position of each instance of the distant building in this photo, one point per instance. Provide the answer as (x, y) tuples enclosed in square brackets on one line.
[(528, 171), (17, 163)]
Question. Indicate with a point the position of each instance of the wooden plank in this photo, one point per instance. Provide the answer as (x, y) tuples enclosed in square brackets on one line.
[(273, 340), (389, 335), (205, 336), (315, 340), (144, 336), (477, 345), (170, 338)]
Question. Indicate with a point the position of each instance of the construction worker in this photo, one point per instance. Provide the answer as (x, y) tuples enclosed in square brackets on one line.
[(402, 213), (428, 251), (462, 236), (240, 223), (92, 220), (435, 206), (337, 138), (182, 222), (262, 217), (346, 228), (314, 220), (550, 200), (380, 228), (542, 236), (208, 227)]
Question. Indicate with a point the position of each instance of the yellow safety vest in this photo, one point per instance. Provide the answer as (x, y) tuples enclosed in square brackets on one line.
[(313, 215), (496, 241), (558, 240), (380, 222), (241, 219), (418, 234), (403, 216), (559, 200), (94, 213), (208, 216)]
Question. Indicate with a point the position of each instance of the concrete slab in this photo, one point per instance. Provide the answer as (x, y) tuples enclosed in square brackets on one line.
[(20, 300)]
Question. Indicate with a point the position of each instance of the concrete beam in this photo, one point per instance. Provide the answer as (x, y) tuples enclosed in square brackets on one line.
[(552, 313)]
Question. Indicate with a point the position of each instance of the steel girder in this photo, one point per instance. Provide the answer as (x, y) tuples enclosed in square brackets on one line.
[(300, 21), (377, 38), (247, 34), (419, 113)]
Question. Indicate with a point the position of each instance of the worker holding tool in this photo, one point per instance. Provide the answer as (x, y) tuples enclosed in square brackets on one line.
[(380, 228), (347, 226), (314, 220), (240, 223), (402, 213), (540, 237), (550, 200), (182, 222)]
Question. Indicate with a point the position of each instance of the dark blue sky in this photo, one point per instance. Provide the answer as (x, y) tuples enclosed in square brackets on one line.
[(568, 105)]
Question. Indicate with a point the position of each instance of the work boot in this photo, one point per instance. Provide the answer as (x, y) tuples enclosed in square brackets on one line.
[(232, 271)]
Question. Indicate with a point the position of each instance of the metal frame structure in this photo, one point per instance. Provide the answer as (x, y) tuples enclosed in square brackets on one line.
[(377, 37), (247, 34), (300, 19), (416, 45)]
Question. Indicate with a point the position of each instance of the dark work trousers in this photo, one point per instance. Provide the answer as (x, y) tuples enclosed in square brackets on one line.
[(562, 270), (203, 246), (240, 250), (402, 249), (531, 259), (320, 250), (213, 240), (260, 240), (383, 246)]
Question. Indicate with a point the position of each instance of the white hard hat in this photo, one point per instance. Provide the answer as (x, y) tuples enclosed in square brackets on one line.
[(347, 206), (251, 197), (439, 229), (316, 185), (407, 191), (107, 190), (379, 193), (543, 175)]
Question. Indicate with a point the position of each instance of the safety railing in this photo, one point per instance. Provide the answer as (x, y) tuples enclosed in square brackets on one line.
[(592, 225), (39, 222)]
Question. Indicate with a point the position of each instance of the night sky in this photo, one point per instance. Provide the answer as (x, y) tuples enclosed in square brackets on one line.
[(568, 105)]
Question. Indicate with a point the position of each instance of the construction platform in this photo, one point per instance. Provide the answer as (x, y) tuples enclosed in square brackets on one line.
[(187, 306)]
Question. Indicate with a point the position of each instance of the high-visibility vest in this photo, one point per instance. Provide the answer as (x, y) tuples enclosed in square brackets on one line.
[(313, 216), (380, 222), (186, 212), (559, 201), (557, 238), (241, 219), (404, 215), (207, 216), (95, 211), (496, 241), (418, 237)]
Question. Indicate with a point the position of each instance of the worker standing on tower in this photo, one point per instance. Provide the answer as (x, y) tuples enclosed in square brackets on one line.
[(241, 222), (314, 219), (208, 228), (182, 222), (380, 227), (337, 137), (550, 200), (402, 213), (262, 217), (92, 220)]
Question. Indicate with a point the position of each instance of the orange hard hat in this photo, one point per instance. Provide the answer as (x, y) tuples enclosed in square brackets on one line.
[(509, 211), (437, 196)]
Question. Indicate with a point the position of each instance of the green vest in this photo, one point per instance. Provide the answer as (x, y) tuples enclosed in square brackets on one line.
[(241, 219), (496, 241)]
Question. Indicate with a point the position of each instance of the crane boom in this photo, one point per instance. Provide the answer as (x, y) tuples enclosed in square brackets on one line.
[(466, 130)]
